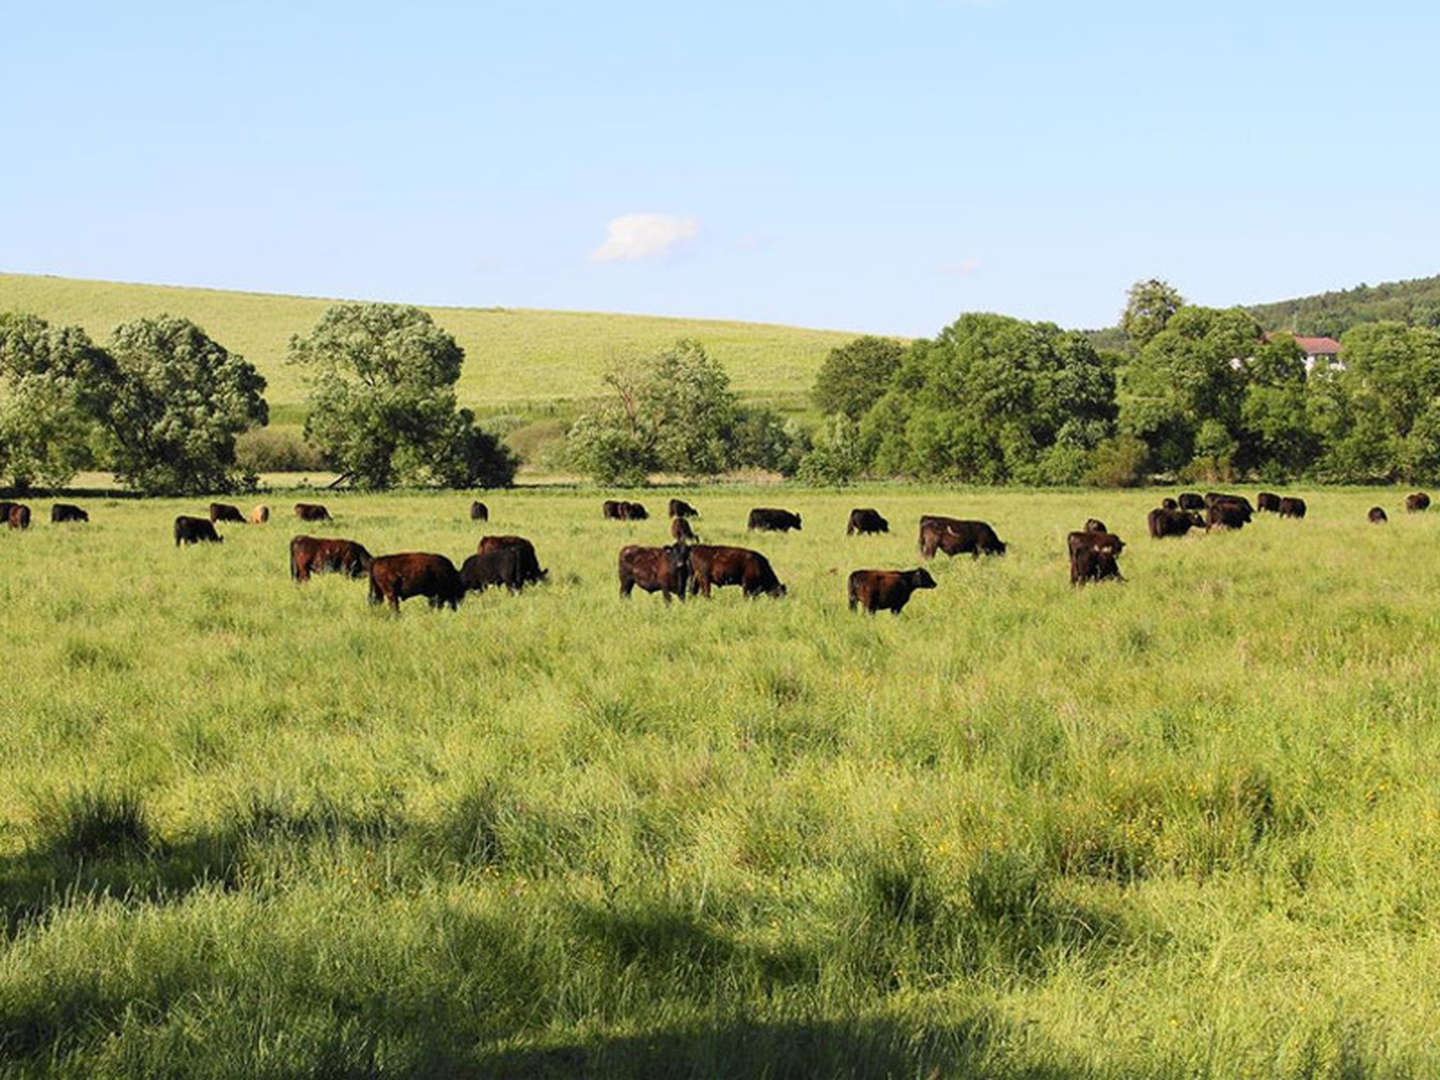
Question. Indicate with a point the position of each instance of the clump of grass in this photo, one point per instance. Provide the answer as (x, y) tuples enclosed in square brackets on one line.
[(89, 823)]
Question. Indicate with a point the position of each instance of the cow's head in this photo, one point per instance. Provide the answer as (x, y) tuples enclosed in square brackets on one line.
[(920, 578)]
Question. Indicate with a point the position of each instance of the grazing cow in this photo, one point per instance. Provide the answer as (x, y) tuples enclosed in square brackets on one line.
[(664, 570), (1095, 525), (768, 519), (525, 551), (1226, 515), (714, 565), (680, 530), (874, 590), (1377, 516), (680, 508), (191, 530), (1164, 522), (415, 573), (1212, 497), (318, 555), (1091, 564), (503, 566), (1290, 506), (259, 515), (610, 509), (866, 521), (479, 512), (19, 516), (1190, 501), (312, 512), (955, 537), (620, 510), (1081, 543), (67, 512), (1417, 501), (226, 512), (1168, 503), (1268, 500), (5, 508)]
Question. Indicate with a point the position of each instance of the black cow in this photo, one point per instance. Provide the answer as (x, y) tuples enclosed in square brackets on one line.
[(1377, 516), (18, 516), (1268, 500), (1081, 543), (1291, 506), (1226, 515), (67, 512), (1212, 497), (664, 570), (312, 512), (529, 564), (1418, 501), (769, 519), (681, 509), (715, 565), (1091, 564), (619, 510), (415, 573), (866, 521), (1168, 503), (1163, 522), (1095, 525), (503, 566), (874, 590), (192, 530), (226, 512), (479, 512), (956, 537), (1190, 501)]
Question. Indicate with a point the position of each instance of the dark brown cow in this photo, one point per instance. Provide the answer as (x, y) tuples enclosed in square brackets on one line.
[(1095, 525), (226, 512), (191, 530), (1091, 564), (312, 512), (1168, 503), (956, 537), (528, 561), (19, 516), (1163, 522), (1212, 497), (503, 566), (769, 519), (680, 508), (1079, 543), (1418, 501), (1291, 506), (715, 565), (620, 510), (5, 508), (67, 512), (664, 570), (680, 530), (1226, 515), (1191, 501), (866, 521), (1377, 516), (479, 512), (319, 555), (610, 510), (415, 573), (888, 590), (1268, 500)]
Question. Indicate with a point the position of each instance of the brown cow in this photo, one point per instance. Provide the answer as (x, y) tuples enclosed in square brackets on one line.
[(664, 570), (956, 537), (529, 564), (259, 515), (1189, 500), (1164, 522), (19, 516), (318, 555), (1080, 543), (1094, 525), (502, 566), (1418, 501), (1291, 506), (191, 530), (1226, 515), (680, 529), (1377, 516), (680, 508), (1092, 564), (715, 565), (874, 590), (415, 573), (312, 512), (226, 512), (1268, 500), (1168, 503)]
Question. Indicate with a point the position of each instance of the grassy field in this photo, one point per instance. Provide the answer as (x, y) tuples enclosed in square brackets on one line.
[(516, 359), (1183, 826)]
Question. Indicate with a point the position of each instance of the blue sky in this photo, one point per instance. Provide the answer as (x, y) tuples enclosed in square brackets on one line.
[(879, 167)]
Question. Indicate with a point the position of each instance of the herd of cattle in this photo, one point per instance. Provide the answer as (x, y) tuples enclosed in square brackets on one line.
[(687, 566)]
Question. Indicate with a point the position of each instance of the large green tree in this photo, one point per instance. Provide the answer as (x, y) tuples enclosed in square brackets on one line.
[(853, 376), (382, 403), (1149, 306), (179, 400)]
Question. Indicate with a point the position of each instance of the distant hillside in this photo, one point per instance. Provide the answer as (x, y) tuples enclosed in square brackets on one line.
[(514, 357), (1332, 313)]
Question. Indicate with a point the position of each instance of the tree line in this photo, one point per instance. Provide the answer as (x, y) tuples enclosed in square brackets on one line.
[(160, 404)]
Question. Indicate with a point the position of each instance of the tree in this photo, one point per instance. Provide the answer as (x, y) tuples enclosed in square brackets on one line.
[(837, 457), (854, 375), (382, 402), (58, 386), (179, 400), (673, 411), (1148, 308)]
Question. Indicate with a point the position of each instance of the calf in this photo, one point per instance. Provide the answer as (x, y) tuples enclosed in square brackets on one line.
[(1291, 506), (716, 565), (664, 570), (1268, 500), (874, 590), (866, 521), (503, 566), (318, 555), (769, 519), (956, 537), (1377, 516), (1163, 522), (192, 530), (1418, 501), (680, 508), (226, 512), (680, 530), (479, 512), (530, 572), (312, 512), (66, 512), (1081, 544), (259, 515), (415, 573)]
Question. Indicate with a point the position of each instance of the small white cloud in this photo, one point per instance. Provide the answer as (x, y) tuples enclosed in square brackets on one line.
[(963, 268), (643, 236)]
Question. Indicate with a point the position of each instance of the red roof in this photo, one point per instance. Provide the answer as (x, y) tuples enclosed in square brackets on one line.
[(1312, 346)]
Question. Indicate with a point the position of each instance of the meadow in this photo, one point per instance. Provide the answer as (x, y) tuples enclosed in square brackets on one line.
[(1187, 825)]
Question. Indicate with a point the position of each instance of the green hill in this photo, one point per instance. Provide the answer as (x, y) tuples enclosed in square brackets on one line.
[(1332, 313), (516, 359)]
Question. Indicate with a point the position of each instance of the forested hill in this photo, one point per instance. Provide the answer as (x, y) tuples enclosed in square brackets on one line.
[(1332, 313)]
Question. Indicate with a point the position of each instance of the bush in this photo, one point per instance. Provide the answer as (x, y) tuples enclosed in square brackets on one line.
[(1118, 462), (276, 450)]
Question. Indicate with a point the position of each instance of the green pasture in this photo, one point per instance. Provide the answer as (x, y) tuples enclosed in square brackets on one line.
[(1183, 826)]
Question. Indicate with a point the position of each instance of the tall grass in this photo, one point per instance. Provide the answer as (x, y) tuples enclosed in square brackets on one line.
[(1180, 826)]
